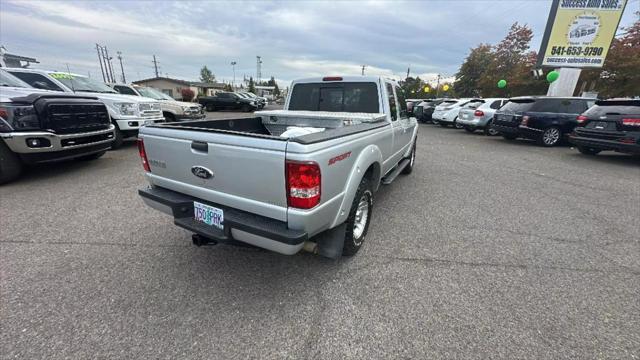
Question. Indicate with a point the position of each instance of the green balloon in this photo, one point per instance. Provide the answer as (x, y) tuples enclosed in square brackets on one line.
[(553, 76), (502, 84)]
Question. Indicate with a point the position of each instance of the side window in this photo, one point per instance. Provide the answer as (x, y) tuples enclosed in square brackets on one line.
[(402, 102), (577, 107), (392, 103), (124, 90), (37, 81), (496, 104), (168, 92), (550, 105)]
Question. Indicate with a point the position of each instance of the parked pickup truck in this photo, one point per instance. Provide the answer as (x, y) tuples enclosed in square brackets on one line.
[(285, 179), (228, 101), (128, 113), (42, 126), (172, 110)]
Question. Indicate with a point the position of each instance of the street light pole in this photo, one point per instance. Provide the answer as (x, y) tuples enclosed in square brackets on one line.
[(233, 65), (438, 87)]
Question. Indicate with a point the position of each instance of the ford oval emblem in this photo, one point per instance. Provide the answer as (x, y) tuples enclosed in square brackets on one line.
[(202, 172)]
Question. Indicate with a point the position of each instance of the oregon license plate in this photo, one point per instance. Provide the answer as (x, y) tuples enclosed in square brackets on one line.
[(209, 215)]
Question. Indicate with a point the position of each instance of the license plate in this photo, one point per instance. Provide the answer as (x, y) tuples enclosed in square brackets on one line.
[(208, 215)]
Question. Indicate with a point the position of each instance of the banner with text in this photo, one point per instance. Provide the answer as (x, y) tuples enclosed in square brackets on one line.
[(579, 32)]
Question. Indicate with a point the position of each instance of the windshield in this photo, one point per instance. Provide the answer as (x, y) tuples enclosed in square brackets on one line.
[(474, 104), (82, 83), (618, 108), (7, 79), (153, 93)]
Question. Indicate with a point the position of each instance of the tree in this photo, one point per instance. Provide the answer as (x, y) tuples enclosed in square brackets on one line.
[(474, 66), (206, 75), (620, 73), (276, 89), (252, 86), (227, 87), (187, 94), (512, 62)]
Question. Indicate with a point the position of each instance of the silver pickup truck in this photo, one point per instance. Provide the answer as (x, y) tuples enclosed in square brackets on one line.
[(284, 180)]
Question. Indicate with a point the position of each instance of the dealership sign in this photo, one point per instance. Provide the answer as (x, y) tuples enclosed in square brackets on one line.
[(579, 32)]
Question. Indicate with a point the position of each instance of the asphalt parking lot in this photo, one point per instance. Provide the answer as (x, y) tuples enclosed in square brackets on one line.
[(488, 249)]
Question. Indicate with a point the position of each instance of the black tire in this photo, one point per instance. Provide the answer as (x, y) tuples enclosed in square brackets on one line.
[(246, 108), (456, 125), (210, 107), (435, 122), (551, 136), (353, 243), (588, 150), (443, 124), (470, 129), (92, 156), (169, 117), (489, 131), (10, 164), (509, 136), (412, 160), (118, 139)]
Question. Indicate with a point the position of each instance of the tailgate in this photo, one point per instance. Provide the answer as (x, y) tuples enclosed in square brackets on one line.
[(246, 172)]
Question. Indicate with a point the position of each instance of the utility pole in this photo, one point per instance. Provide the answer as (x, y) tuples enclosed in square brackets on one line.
[(100, 61), (258, 68), (233, 65), (124, 80), (155, 65), (408, 71), (363, 67), (438, 87), (111, 77)]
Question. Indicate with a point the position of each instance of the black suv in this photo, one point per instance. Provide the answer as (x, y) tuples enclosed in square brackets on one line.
[(545, 119), (228, 101), (423, 111), (609, 125)]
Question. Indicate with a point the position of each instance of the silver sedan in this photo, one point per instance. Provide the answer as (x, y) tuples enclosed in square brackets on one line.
[(477, 115)]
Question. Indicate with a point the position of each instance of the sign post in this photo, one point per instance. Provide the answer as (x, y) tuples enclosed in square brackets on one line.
[(577, 36)]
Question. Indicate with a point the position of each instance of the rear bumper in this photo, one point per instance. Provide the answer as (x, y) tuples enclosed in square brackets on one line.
[(475, 122), (602, 144), (239, 225), (17, 141)]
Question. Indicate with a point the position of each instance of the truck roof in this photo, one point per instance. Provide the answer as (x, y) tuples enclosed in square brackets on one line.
[(340, 78)]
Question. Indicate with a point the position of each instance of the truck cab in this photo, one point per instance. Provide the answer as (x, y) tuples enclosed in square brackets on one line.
[(128, 113)]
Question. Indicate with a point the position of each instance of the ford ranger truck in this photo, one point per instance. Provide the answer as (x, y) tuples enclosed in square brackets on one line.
[(284, 180), (128, 113), (39, 126)]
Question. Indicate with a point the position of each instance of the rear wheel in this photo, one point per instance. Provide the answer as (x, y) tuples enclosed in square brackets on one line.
[(551, 136), (10, 164), (489, 130), (456, 125), (588, 150), (509, 136), (469, 129), (359, 219)]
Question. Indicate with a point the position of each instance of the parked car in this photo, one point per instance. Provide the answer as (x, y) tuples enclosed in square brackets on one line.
[(128, 113), (172, 110), (285, 179), (609, 125), (39, 126), (446, 113), (542, 118), (424, 110), (411, 103), (260, 99), (478, 113), (228, 101)]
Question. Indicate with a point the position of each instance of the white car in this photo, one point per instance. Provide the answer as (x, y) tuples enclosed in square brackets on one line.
[(446, 113), (128, 113)]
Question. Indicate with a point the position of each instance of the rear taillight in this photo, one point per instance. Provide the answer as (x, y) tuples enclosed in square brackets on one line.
[(581, 119), (303, 184), (525, 120), (479, 113), (143, 156), (332, 78), (631, 122)]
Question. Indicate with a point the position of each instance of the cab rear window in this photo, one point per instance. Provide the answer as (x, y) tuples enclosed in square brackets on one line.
[(338, 97)]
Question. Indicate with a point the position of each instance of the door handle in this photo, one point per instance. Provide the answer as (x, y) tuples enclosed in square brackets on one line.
[(200, 146)]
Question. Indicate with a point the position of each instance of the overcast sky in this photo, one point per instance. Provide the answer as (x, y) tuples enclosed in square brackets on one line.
[(295, 38)]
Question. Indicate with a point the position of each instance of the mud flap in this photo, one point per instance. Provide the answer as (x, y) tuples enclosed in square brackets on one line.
[(331, 242)]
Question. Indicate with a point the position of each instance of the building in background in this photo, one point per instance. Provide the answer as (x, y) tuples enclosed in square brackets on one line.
[(173, 87), (265, 91)]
